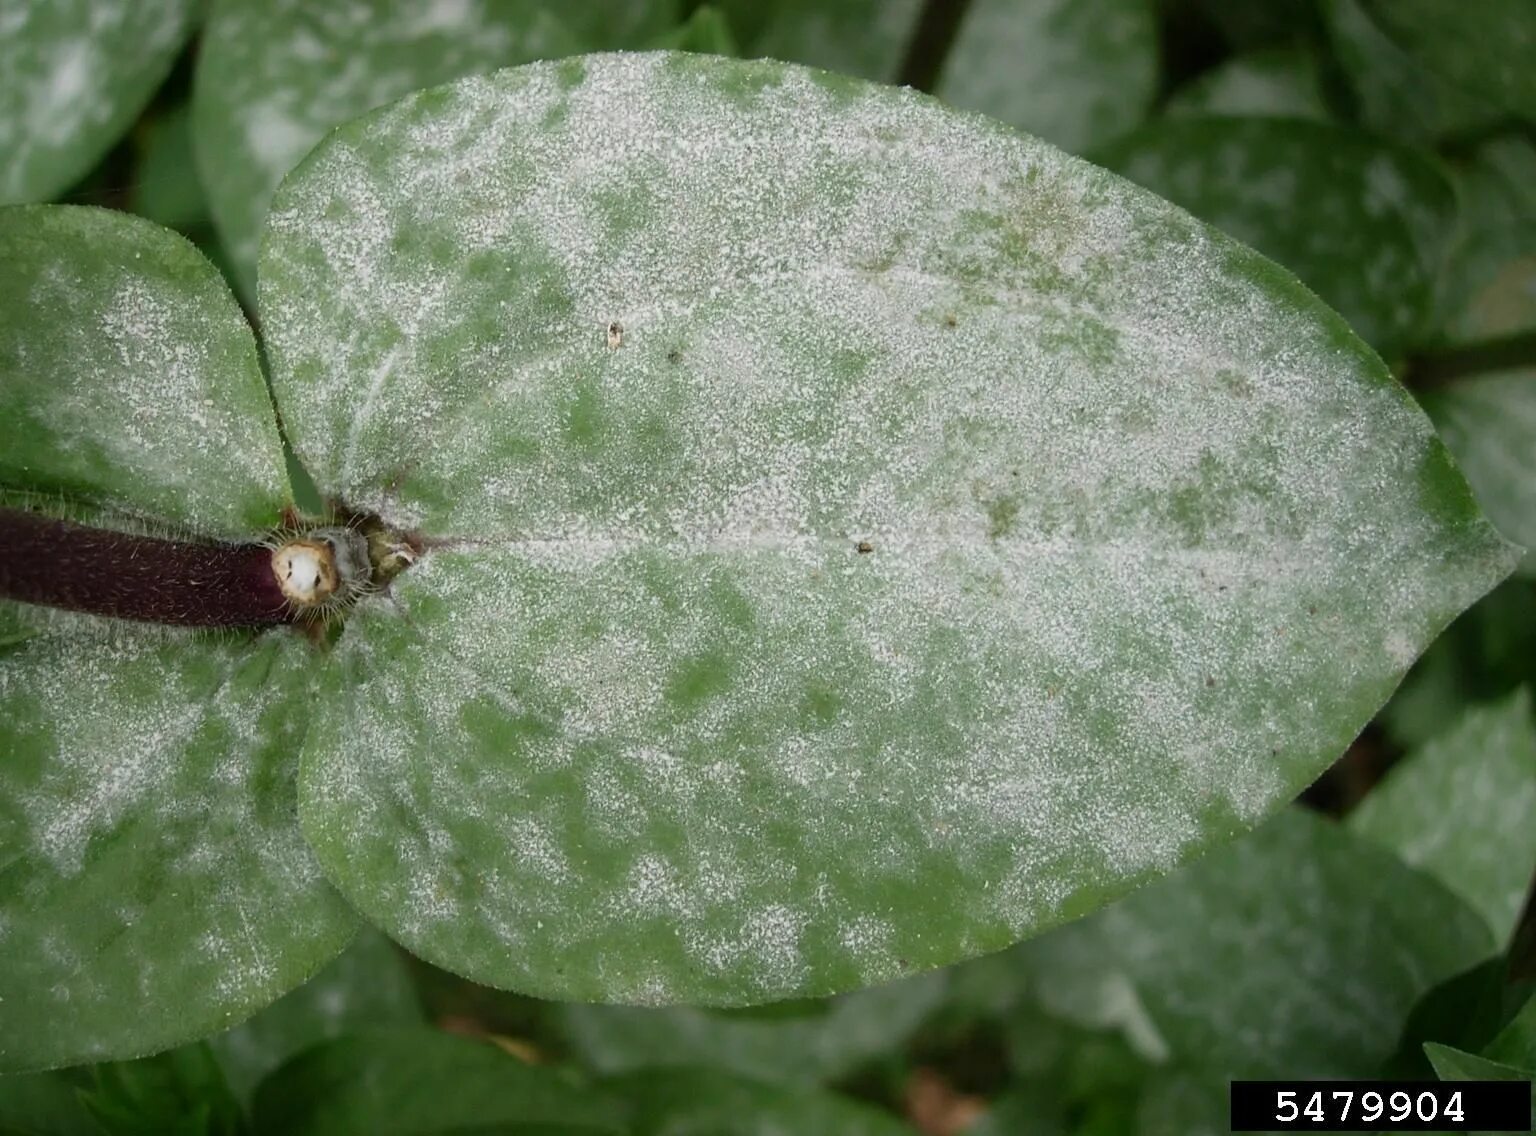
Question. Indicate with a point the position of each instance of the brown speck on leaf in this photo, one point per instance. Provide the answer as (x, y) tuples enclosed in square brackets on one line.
[(1209, 682), (674, 356), (1312, 609), (615, 335), (951, 320), (864, 546)]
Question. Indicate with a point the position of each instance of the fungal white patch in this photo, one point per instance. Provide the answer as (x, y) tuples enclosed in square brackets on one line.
[(1139, 515), (151, 754)]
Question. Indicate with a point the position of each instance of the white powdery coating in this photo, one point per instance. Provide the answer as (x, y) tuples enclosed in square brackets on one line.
[(131, 375), (72, 74), (155, 858), (1074, 72), (275, 75), (955, 532)]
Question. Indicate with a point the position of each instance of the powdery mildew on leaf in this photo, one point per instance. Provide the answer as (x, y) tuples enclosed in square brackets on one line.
[(1437, 808), (958, 536), (275, 75), (1075, 72), (129, 376), (157, 887), (73, 75), (1363, 222)]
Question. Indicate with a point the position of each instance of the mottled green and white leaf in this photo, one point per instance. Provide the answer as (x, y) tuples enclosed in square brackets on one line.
[(1324, 943), (156, 886), (827, 1042), (274, 75), (74, 74), (1460, 809), (858, 535), (1074, 72), (1363, 222), (129, 377)]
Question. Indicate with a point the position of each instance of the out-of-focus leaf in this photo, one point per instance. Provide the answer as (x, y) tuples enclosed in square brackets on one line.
[(1397, 97), (1363, 222), (706, 31), (367, 985), (45, 1104), (867, 38), (167, 188), (712, 1102), (1454, 1065), (1280, 82), (1487, 48), (181, 1092), (1462, 809), (1298, 951), (73, 75), (274, 75), (851, 1030), (407, 1082), (1074, 72), (751, 657), (1515, 1044)]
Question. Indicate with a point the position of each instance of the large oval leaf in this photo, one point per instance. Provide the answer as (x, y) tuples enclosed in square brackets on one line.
[(1486, 49), (73, 75), (858, 535)]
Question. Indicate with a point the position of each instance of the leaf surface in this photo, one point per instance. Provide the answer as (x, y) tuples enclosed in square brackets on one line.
[(1485, 50), (858, 535), (74, 74), (274, 75), (1325, 943), (129, 377), (1363, 222), (675, 1102), (1282, 82), (1460, 809), (867, 38)]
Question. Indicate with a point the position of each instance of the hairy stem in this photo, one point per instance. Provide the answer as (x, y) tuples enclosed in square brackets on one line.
[(57, 563)]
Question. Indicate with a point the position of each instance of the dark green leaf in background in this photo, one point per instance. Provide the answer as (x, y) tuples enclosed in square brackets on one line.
[(867, 38), (1462, 810), (711, 1102), (1074, 72), (367, 985), (1364, 223), (73, 75), (418, 1082), (181, 1092), (1282, 82), (1485, 47)]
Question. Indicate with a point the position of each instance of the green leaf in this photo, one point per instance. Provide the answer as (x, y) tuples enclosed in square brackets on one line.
[(129, 377), (1282, 82), (1454, 1065), (1485, 50), (706, 30), (367, 985), (1460, 809), (274, 75), (45, 1104), (1325, 941), (849, 1031), (76, 74), (156, 886), (404, 1082), (858, 536), (1075, 72), (681, 1102), (178, 1093), (867, 38), (1363, 222), (1396, 96), (167, 188), (1516, 1043)]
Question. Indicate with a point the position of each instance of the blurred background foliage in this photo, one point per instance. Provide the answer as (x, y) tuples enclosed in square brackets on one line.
[(1382, 150)]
